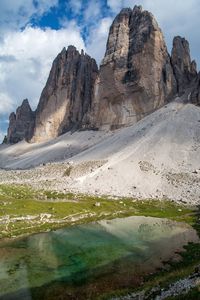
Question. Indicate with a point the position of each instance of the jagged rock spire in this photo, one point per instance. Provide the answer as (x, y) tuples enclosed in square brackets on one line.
[(67, 95), (184, 69), (136, 76), (21, 123)]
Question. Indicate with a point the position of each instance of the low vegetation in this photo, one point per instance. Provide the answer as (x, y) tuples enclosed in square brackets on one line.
[(25, 211)]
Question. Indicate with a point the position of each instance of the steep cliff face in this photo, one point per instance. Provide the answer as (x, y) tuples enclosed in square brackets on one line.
[(136, 76), (67, 95), (21, 124), (195, 94), (184, 68)]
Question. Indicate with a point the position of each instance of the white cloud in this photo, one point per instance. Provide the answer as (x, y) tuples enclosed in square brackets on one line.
[(16, 14), (26, 58), (96, 43), (6, 104), (75, 6), (116, 5), (92, 11), (93, 26)]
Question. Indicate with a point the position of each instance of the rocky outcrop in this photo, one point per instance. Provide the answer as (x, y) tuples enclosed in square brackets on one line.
[(194, 96), (21, 123), (136, 76), (67, 96), (184, 69), (5, 140)]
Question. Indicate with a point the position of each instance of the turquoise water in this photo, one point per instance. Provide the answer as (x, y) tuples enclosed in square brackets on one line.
[(84, 261)]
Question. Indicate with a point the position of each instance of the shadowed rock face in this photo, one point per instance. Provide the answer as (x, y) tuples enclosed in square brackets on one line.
[(184, 69), (136, 76), (195, 94), (67, 95), (21, 124)]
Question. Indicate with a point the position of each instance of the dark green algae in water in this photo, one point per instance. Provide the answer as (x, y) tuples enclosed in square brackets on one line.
[(85, 261)]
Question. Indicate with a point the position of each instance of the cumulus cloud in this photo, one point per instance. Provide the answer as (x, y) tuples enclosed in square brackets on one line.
[(116, 5), (75, 6), (6, 104), (20, 59), (25, 60), (93, 25), (92, 11), (16, 14), (96, 43)]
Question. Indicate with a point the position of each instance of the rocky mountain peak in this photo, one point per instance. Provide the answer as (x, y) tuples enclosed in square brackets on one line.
[(137, 9), (71, 48), (25, 107), (184, 69), (136, 76), (135, 24), (142, 27), (64, 49), (67, 96), (21, 124), (123, 12), (118, 37)]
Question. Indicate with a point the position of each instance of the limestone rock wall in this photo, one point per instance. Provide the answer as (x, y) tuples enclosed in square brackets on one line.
[(21, 123), (195, 94), (184, 69), (136, 76), (67, 95)]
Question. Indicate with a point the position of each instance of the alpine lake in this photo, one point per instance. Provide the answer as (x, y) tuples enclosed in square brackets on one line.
[(102, 256)]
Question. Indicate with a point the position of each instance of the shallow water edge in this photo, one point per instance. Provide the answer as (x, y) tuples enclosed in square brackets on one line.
[(85, 261)]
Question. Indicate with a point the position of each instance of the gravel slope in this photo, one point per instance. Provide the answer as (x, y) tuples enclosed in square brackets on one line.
[(157, 157)]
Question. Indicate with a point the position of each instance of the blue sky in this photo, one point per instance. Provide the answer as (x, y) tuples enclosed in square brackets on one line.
[(33, 32)]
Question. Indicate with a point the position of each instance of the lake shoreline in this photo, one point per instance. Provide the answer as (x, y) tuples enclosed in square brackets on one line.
[(82, 209), (118, 233)]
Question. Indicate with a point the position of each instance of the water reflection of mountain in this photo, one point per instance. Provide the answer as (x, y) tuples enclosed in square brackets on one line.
[(119, 250)]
